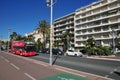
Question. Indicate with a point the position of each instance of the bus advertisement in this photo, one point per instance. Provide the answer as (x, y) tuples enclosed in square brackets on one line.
[(23, 48)]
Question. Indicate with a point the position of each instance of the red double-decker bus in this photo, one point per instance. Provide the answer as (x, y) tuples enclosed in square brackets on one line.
[(23, 48)]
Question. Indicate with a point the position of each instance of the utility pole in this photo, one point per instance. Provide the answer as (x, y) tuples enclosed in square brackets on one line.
[(0, 42), (9, 30), (50, 4), (113, 40)]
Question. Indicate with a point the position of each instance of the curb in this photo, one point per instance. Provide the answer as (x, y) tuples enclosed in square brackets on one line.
[(104, 58)]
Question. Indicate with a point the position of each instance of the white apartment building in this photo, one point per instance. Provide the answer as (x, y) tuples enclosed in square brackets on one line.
[(64, 24), (99, 20)]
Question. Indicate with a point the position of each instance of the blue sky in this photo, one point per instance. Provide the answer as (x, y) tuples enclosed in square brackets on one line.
[(22, 16)]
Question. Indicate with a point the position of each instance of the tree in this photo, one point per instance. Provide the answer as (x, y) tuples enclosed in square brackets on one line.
[(39, 45), (56, 43), (65, 38), (90, 45), (90, 42), (44, 29), (13, 36)]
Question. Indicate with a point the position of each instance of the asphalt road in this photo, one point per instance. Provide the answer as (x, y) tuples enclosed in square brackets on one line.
[(105, 68)]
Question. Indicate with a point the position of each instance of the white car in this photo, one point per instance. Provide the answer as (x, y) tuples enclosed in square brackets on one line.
[(73, 53), (117, 53)]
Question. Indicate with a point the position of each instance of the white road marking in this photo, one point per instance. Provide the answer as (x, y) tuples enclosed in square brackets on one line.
[(7, 60), (15, 66), (31, 77)]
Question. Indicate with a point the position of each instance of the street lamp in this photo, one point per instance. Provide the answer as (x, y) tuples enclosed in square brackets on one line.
[(50, 4), (113, 41), (9, 30), (0, 42)]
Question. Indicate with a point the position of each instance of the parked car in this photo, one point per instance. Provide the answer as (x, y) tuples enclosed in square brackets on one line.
[(54, 51), (117, 53), (44, 51), (73, 53), (84, 51), (57, 51)]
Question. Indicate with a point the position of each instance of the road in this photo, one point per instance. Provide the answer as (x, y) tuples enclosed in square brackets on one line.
[(105, 68), (13, 67)]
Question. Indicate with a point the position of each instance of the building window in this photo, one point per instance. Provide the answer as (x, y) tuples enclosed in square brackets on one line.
[(78, 26), (105, 35), (104, 14), (112, 12), (114, 27), (78, 21), (89, 30), (83, 20), (97, 16), (83, 14), (90, 18), (113, 5), (104, 8), (105, 28), (78, 32), (84, 31), (104, 21), (77, 16), (84, 37), (97, 29), (104, 1), (97, 23)]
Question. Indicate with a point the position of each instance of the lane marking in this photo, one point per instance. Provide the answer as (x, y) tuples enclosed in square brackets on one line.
[(31, 77), (15, 66), (7, 60)]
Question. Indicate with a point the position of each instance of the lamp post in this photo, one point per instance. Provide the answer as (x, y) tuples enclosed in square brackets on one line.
[(8, 38), (50, 4), (113, 41), (0, 42)]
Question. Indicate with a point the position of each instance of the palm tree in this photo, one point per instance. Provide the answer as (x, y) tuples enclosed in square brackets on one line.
[(90, 45), (65, 38), (13, 36), (118, 32), (56, 43), (90, 42), (44, 29)]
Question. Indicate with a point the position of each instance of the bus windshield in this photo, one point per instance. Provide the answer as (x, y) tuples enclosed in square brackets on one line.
[(29, 48)]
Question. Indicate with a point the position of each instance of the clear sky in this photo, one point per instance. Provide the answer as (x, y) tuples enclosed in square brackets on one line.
[(22, 16)]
